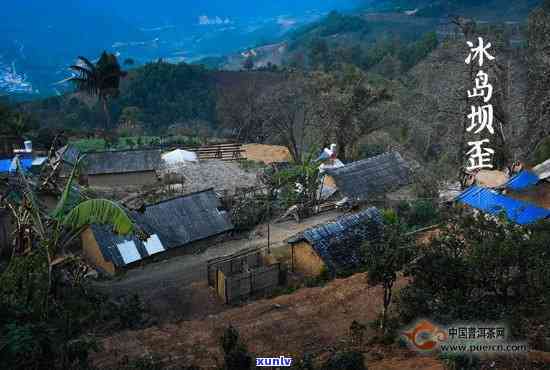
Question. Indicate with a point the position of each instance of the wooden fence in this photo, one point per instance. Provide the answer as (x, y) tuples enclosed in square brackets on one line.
[(224, 152), (259, 281), (233, 264), (239, 277)]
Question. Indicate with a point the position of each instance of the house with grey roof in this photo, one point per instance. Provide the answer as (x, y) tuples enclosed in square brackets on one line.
[(370, 178), (336, 245), (122, 168), (174, 224)]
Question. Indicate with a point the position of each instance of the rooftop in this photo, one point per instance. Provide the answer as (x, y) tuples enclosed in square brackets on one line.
[(173, 223), (376, 175), (125, 161), (339, 242), (493, 203)]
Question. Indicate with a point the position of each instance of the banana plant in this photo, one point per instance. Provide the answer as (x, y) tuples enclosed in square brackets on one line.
[(52, 233)]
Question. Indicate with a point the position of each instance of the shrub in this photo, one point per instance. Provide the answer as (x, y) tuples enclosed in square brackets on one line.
[(349, 360), (423, 213), (130, 312), (235, 352)]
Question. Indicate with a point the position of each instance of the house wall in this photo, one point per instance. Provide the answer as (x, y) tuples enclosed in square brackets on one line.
[(93, 254), (329, 181), (305, 260), (125, 179)]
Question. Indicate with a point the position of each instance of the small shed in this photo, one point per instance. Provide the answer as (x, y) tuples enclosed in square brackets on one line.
[(336, 245), (176, 223), (369, 178), (122, 168)]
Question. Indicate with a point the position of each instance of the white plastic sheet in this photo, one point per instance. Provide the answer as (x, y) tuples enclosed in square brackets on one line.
[(178, 157)]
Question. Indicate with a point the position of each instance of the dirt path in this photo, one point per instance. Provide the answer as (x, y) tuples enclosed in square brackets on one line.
[(176, 287)]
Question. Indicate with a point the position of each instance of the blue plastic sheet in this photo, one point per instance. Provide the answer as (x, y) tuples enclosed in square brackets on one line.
[(493, 203), (522, 180), (5, 164)]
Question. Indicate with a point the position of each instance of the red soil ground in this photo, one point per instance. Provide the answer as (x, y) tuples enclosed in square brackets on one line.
[(313, 320)]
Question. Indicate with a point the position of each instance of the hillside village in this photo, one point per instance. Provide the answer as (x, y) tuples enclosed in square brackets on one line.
[(311, 198)]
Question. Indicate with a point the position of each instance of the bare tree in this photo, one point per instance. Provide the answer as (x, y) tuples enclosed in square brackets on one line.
[(345, 108), (288, 113), (238, 110)]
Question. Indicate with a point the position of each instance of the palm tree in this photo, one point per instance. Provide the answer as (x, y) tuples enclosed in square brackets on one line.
[(101, 79)]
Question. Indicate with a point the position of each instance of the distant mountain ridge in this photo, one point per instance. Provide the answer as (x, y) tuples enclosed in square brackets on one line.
[(42, 38), (473, 8)]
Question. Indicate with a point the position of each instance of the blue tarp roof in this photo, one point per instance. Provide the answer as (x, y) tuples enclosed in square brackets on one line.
[(5, 164), (494, 203), (523, 180)]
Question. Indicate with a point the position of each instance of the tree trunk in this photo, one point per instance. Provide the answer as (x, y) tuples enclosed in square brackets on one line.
[(388, 285), (107, 115)]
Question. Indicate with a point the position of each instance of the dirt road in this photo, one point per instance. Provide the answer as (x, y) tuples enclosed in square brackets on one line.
[(176, 287)]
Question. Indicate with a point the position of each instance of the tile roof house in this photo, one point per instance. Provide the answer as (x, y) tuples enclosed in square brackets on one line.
[(172, 224), (122, 168), (363, 180), (336, 245)]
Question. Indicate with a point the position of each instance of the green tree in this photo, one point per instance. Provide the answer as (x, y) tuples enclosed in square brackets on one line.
[(13, 122), (318, 53), (479, 268), (385, 258), (130, 142), (299, 184), (131, 116), (101, 79)]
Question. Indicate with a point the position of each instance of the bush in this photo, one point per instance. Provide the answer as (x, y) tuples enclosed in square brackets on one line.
[(130, 312), (249, 212), (235, 352), (422, 213), (349, 360)]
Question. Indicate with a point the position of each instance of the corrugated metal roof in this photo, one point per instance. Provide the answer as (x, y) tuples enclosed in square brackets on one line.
[(68, 154), (127, 161), (339, 242), (522, 180), (376, 175), (493, 203), (172, 223)]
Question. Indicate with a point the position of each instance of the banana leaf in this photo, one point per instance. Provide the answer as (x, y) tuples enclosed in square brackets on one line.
[(102, 212)]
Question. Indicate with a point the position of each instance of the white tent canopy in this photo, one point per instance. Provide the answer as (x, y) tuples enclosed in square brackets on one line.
[(178, 157)]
